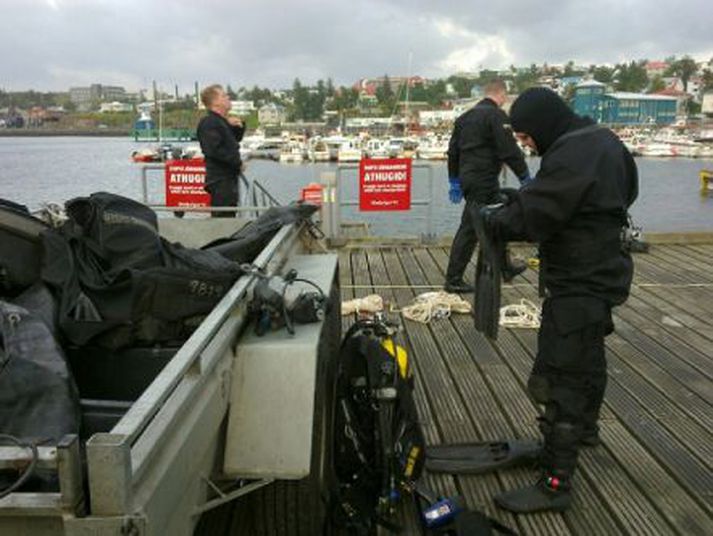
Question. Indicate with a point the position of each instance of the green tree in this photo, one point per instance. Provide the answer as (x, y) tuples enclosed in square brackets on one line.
[(299, 100), (631, 77), (603, 74), (462, 86), (657, 84), (484, 76), (684, 68), (385, 96), (707, 80)]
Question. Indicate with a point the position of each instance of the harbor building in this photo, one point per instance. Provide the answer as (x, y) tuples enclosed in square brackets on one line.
[(87, 97), (587, 98), (636, 108), (271, 114), (242, 107), (623, 108)]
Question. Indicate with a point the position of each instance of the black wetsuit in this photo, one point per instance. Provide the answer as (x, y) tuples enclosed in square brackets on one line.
[(481, 142), (575, 209), (220, 143)]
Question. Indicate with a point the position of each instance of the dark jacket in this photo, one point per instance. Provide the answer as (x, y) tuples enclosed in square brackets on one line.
[(575, 209), (220, 143), (481, 142)]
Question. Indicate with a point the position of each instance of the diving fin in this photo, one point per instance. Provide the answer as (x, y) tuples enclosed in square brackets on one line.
[(477, 458)]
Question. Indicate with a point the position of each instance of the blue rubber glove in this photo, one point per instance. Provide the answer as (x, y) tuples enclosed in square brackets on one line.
[(526, 179), (455, 192)]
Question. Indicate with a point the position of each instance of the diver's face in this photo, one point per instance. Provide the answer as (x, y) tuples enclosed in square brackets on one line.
[(526, 140)]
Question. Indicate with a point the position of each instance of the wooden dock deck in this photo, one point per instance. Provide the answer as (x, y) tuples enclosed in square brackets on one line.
[(652, 474)]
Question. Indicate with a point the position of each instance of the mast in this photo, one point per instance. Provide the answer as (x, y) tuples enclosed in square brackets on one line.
[(408, 86)]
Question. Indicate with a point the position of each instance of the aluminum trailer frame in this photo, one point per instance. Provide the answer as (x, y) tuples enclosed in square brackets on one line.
[(151, 474)]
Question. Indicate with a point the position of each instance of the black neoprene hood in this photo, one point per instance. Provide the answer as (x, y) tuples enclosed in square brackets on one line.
[(543, 115)]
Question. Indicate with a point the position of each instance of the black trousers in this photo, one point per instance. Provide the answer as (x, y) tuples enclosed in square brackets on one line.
[(464, 243), (465, 240), (223, 193), (569, 377)]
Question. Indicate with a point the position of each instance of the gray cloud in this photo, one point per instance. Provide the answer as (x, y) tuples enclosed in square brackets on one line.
[(52, 44)]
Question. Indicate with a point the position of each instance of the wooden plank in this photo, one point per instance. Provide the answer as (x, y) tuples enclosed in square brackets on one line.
[(345, 282), (444, 484), (598, 470), (636, 402), (485, 408), (682, 341), (439, 384)]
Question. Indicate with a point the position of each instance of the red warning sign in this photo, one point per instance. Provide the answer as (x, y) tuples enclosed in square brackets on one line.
[(312, 193), (385, 184), (184, 184)]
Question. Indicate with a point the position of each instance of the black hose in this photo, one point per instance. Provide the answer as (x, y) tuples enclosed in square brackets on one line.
[(27, 473)]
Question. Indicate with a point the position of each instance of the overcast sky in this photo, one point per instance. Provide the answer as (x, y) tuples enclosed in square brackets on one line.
[(55, 44)]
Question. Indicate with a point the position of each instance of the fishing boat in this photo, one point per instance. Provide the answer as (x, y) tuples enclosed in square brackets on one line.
[(432, 148), (376, 148), (318, 150), (349, 151), (292, 153)]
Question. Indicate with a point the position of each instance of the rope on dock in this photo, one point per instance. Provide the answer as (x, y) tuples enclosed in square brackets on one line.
[(520, 315), (368, 304), (434, 305)]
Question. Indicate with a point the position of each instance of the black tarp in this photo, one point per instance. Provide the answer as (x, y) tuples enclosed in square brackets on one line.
[(246, 244), (20, 248), (119, 283)]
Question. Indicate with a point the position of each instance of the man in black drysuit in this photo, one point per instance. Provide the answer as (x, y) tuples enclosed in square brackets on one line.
[(481, 142), (219, 136), (576, 209)]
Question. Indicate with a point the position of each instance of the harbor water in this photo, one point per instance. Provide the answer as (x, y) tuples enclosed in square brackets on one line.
[(36, 170)]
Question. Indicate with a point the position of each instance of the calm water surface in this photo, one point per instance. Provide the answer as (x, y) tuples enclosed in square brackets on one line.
[(34, 170)]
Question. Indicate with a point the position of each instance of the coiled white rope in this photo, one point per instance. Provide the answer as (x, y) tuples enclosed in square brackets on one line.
[(368, 304), (520, 315), (435, 305)]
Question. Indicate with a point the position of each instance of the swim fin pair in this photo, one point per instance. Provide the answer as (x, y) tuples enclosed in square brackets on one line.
[(484, 457)]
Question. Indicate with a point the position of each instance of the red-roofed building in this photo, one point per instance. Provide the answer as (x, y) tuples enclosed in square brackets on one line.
[(656, 68), (370, 85), (681, 97)]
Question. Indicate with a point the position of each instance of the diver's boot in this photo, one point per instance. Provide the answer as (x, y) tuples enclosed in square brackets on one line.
[(550, 492), (558, 460), (590, 436), (458, 287), (512, 269)]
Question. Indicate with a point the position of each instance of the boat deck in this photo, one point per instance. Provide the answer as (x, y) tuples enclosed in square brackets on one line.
[(652, 474)]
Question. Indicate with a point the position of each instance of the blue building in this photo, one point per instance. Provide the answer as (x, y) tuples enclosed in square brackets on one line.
[(588, 97), (591, 99), (637, 109)]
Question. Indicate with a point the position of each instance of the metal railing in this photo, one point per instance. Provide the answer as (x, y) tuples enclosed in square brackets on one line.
[(334, 202), (253, 196)]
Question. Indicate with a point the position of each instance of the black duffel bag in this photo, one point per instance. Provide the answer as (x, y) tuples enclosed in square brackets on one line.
[(20, 248), (115, 294), (38, 397)]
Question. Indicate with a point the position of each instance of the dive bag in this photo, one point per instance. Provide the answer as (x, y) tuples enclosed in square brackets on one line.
[(379, 447), (39, 401), (119, 283), (20, 248)]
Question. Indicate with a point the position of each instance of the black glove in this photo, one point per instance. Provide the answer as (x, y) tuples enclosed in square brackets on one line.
[(507, 195), (488, 215)]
